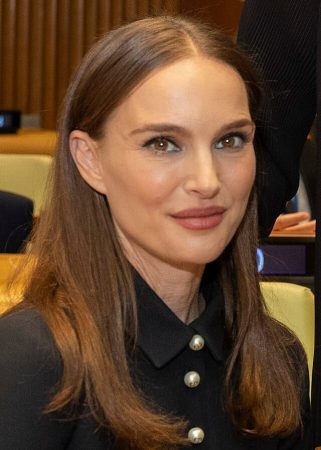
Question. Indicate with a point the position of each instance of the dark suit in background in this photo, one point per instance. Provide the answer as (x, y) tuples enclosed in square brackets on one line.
[(284, 40), (15, 221), (309, 173)]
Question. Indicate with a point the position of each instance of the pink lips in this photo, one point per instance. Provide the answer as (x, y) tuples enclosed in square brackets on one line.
[(200, 218)]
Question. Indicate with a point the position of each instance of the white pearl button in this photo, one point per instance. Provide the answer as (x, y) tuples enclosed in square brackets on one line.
[(196, 343), (192, 379), (196, 435)]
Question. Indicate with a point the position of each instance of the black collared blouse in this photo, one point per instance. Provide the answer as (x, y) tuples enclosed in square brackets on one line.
[(179, 367)]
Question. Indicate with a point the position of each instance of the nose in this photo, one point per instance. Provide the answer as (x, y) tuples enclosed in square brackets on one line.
[(202, 176)]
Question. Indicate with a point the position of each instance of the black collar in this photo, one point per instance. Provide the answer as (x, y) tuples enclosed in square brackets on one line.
[(162, 335)]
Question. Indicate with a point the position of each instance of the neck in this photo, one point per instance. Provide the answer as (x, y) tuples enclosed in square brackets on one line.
[(177, 285)]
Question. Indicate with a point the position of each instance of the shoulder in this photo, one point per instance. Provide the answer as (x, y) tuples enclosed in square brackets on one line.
[(26, 343), (30, 375), (24, 325)]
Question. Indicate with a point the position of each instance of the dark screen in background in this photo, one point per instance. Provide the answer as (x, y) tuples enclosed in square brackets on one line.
[(282, 259), (5, 120)]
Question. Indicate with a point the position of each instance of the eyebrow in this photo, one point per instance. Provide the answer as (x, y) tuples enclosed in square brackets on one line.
[(170, 128)]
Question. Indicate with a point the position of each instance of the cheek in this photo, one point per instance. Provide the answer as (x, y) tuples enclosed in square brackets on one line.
[(139, 184), (239, 182)]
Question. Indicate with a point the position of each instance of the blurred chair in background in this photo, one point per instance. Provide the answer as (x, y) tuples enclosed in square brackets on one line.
[(16, 219), (9, 264), (293, 305), (25, 174)]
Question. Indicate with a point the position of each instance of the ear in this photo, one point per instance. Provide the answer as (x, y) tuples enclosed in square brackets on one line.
[(85, 153)]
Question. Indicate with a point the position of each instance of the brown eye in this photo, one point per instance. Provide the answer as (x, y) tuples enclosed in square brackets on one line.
[(234, 142), (162, 145), (229, 141)]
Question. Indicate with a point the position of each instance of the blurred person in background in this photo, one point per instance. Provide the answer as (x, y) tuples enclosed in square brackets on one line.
[(16, 219), (283, 38)]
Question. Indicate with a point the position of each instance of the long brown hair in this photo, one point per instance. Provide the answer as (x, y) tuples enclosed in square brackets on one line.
[(82, 284)]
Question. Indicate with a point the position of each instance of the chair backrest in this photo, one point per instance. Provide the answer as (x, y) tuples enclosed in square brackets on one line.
[(293, 305), (26, 175), (8, 264)]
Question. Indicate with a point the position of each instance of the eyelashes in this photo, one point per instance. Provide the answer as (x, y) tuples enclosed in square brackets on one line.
[(233, 141), (162, 144)]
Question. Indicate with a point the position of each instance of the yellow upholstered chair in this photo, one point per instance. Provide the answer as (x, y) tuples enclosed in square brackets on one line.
[(8, 264), (26, 175), (293, 305)]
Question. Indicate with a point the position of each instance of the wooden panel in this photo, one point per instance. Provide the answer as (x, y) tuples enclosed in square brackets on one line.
[(22, 55), (224, 13), (143, 8), (1, 42), (130, 11), (104, 16), (49, 103), (171, 6), (36, 39), (90, 24), (41, 42), (156, 7), (63, 49), (116, 13), (8, 63), (76, 23)]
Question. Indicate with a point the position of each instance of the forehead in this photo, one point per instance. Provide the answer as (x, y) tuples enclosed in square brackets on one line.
[(187, 90)]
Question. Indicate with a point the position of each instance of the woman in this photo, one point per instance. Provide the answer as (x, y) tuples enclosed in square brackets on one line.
[(142, 324)]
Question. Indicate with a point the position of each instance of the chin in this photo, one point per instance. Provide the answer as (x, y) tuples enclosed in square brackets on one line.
[(200, 258), (207, 254)]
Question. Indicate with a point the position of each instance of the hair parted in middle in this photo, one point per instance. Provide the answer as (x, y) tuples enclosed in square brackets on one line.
[(82, 283)]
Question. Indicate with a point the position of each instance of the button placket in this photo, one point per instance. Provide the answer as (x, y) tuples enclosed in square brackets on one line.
[(192, 379)]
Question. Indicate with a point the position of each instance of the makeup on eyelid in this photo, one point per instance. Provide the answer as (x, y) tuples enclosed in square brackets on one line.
[(164, 140)]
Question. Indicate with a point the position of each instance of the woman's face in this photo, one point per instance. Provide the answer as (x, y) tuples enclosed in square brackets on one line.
[(178, 164)]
